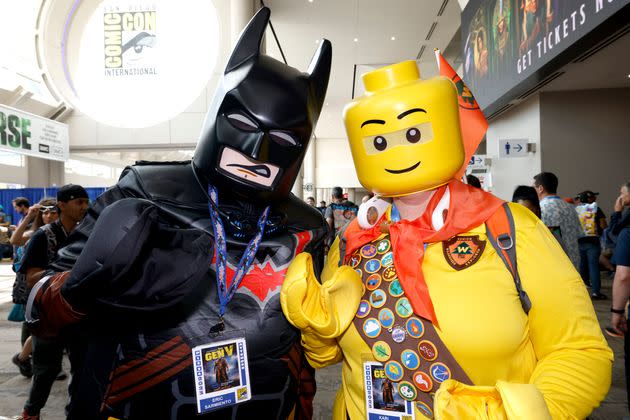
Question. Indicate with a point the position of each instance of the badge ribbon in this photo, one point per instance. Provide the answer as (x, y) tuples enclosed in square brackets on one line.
[(412, 353)]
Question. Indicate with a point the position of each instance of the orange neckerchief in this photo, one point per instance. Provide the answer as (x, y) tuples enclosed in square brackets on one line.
[(469, 207)]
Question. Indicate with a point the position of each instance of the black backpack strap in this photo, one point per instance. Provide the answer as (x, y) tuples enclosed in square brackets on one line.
[(501, 234), (342, 244)]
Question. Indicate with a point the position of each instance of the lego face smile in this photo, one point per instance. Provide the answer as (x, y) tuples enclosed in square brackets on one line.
[(404, 134)]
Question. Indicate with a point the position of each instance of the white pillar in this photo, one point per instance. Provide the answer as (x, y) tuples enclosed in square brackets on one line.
[(297, 189), (240, 13), (309, 171)]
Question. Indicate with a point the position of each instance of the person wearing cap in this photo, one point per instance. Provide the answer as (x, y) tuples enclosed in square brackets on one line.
[(41, 249), (593, 222)]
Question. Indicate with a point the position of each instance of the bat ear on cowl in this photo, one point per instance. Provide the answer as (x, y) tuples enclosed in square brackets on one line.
[(318, 75), (248, 46)]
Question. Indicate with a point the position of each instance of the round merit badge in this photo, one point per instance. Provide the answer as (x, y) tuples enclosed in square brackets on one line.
[(355, 260), (368, 251), (423, 381), (364, 309), (373, 281), (415, 327), (398, 334), (359, 272), (395, 289), (389, 273), (427, 350), (407, 391), (424, 409), (378, 298), (440, 372), (371, 328), (386, 317), (372, 266), (403, 308), (381, 351), (393, 370), (387, 260), (410, 359), (383, 246)]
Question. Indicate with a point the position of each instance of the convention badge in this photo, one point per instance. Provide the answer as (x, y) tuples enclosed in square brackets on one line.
[(355, 260), (381, 351), (440, 372), (398, 334), (463, 251), (384, 398), (364, 309), (415, 327), (378, 298), (410, 359), (386, 318), (394, 370), (387, 260), (372, 266), (221, 374), (368, 251), (407, 391), (383, 246), (424, 409), (389, 273), (403, 308), (373, 281), (427, 350), (395, 289), (423, 381), (371, 328)]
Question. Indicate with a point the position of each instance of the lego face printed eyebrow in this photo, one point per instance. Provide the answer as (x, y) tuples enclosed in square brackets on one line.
[(410, 111), (372, 122)]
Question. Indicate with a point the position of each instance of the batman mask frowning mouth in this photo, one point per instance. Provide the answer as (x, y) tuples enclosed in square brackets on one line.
[(241, 167)]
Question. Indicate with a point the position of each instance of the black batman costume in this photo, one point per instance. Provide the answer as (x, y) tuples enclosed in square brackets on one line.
[(142, 291)]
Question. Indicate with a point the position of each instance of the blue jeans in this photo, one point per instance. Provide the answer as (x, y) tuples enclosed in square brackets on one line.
[(589, 264)]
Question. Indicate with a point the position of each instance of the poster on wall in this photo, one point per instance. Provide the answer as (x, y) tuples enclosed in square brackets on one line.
[(30, 134), (507, 41)]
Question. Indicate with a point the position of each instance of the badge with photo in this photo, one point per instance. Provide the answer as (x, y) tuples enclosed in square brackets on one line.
[(221, 374), (384, 398)]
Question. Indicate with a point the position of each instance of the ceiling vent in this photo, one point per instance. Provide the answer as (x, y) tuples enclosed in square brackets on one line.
[(499, 112), (601, 45), (421, 52), (433, 26), (540, 84), (442, 8)]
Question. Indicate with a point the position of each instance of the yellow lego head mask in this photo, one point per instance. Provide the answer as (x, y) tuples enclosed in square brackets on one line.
[(404, 133)]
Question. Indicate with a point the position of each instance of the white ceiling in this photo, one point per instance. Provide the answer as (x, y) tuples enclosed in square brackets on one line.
[(299, 24)]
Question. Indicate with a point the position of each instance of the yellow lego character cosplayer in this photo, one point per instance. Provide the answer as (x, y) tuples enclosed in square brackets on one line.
[(466, 305)]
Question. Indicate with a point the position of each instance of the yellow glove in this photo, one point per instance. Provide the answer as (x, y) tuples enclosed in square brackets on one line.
[(454, 400), (325, 310)]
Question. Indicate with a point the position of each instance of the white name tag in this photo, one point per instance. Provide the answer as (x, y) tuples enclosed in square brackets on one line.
[(221, 374)]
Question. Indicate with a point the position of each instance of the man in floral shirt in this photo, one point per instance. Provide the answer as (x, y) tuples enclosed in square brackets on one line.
[(557, 214)]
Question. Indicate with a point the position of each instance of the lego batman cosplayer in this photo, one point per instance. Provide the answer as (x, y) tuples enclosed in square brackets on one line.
[(138, 286)]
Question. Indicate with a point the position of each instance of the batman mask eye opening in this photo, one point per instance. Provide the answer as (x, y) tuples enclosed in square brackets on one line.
[(282, 138), (242, 122)]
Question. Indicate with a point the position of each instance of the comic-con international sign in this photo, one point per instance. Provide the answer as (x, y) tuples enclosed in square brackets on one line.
[(507, 41), (129, 40), (29, 134)]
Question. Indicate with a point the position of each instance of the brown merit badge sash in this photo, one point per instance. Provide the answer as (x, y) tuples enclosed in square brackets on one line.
[(412, 353)]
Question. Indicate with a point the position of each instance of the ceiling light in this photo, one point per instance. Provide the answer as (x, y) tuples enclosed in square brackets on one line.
[(310, 1), (317, 41), (357, 40), (393, 38)]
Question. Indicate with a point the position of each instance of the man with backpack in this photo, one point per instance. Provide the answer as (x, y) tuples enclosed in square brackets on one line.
[(41, 250), (593, 221)]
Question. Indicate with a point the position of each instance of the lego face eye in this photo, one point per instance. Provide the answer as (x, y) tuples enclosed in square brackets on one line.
[(410, 136), (242, 122), (380, 143), (282, 138), (413, 135)]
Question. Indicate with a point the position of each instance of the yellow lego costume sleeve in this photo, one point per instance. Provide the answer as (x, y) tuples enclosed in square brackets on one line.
[(321, 311)]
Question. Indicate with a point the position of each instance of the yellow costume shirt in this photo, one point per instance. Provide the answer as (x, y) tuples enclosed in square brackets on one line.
[(557, 348)]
